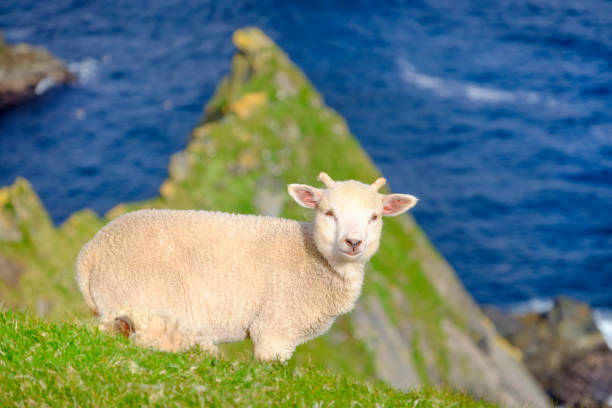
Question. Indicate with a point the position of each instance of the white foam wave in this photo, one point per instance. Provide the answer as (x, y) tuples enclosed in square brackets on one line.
[(603, 320), (18, 34), (86, 70), (479, 93), (454, 89), (423, 81), (537, 305), (44, 85)]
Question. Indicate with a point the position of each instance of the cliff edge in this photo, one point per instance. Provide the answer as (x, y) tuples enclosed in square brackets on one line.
[(265, 127)]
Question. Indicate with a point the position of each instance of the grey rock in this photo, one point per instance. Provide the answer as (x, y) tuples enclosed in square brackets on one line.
[(586, 381), (564, 350), (9, 231), (270, 195), (23, 68), (43, 306), (285, 85), (507, 325), (573, 320), (471, 369), (392, 351), (10, 272), (179, 166)]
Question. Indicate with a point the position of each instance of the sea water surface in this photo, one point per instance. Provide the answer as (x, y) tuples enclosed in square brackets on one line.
[(496, 114)]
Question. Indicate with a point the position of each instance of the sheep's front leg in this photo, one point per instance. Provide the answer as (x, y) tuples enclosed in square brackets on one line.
[(270, 347)]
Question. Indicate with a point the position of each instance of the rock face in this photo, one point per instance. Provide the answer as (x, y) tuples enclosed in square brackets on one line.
[(26, 71), (265, 127), (564, 350)]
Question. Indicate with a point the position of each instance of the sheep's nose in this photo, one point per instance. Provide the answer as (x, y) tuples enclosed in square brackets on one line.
[(353, 243)]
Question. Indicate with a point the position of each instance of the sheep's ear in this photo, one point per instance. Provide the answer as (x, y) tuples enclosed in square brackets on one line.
[(395, 204), (304, 195)]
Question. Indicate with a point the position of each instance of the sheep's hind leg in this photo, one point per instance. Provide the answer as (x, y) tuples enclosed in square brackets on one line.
[(158, 332), (162, 333)]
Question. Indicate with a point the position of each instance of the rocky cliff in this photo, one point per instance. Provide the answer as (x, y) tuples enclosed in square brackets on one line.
[(26, 71), (266, 126), (564, 350)]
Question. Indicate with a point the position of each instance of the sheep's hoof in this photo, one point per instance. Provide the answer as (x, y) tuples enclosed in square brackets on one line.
[(124, 325)]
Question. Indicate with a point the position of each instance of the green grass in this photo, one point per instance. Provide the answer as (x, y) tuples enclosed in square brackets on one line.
[(72, 364)]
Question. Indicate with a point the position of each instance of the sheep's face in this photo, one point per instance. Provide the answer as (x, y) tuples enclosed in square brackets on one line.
[(348, 216)]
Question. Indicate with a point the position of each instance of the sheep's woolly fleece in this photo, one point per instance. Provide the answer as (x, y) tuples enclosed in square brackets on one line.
[(196, 277)]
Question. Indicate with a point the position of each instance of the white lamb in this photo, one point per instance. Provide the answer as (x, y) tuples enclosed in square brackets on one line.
[(174, 279)]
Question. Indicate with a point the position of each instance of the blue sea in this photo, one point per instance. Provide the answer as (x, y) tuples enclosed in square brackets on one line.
[(497, 114)]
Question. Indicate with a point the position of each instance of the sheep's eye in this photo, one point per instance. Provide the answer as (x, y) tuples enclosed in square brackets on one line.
[(374, 217), (330, 213)]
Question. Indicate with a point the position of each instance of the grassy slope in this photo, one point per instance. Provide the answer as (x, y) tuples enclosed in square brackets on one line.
[(266, 126), (72, 364)]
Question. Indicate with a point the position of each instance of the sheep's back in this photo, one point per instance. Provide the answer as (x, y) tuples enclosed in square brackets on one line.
[(196, 263)]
